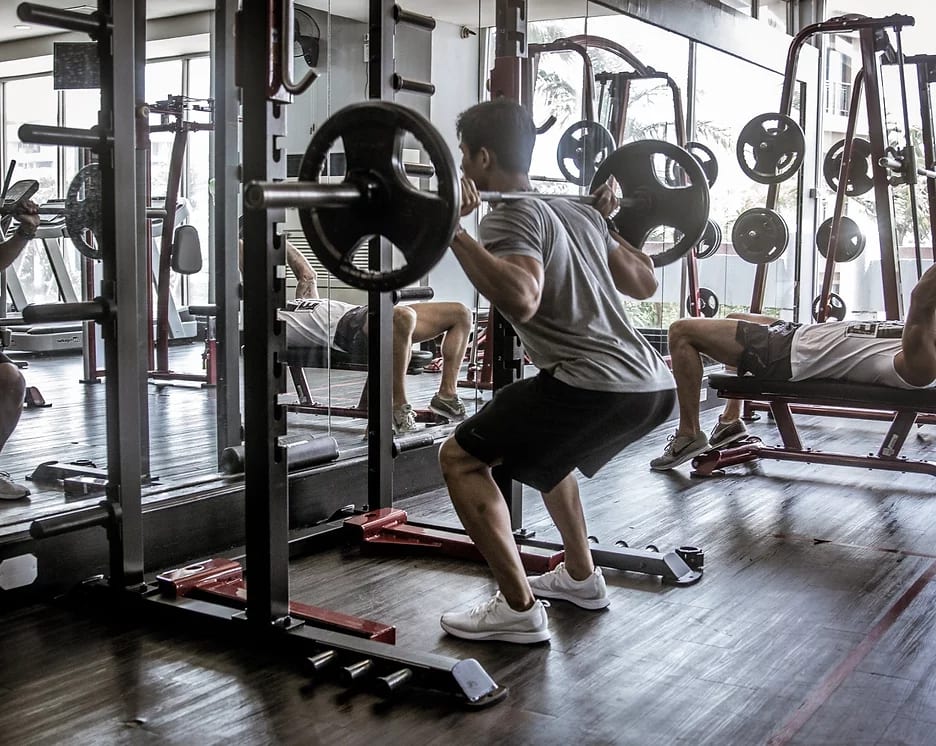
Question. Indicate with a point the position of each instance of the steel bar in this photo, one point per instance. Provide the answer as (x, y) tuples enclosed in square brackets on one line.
[(63, 19), (413, 19), (259, 195), (43, 134)]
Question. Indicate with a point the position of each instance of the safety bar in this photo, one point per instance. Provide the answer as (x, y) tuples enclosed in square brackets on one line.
[(400, 83), (413, 19), (99, 515), (420, 292), (43, 134), (42, 313), (65, 19)]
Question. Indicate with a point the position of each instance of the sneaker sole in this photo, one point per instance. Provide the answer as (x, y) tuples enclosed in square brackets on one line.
[(591, 604), (681, 460), (522, 638)]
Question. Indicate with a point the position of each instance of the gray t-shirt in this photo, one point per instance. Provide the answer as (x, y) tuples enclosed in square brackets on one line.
[(580, 333)]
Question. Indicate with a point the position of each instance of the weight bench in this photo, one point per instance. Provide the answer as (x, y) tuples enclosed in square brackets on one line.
[(297, 359), (904, 408)]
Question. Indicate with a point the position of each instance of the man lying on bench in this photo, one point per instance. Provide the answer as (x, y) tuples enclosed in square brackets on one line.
[(313, 321), (900, 355)]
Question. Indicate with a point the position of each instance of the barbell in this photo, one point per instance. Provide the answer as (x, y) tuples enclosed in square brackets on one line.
[(377, 199)]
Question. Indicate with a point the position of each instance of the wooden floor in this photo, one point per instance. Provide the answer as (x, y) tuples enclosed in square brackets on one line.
[(813, 625)]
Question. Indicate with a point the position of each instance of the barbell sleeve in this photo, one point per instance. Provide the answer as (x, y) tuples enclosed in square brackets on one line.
[(308, 194), (42, 313)]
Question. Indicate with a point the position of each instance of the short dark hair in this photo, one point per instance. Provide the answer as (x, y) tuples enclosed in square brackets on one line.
[(503, 127)]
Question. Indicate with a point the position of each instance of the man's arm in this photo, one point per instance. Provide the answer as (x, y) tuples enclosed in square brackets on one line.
[(306, 279), (513, 284), (631, 269), (28, 218)]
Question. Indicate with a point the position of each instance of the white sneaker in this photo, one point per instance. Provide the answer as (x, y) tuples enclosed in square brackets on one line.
[(404, 420), (10, 490), (591, 593), (495, 620)]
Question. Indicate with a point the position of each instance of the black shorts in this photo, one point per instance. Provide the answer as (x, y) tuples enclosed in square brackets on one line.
[(766, 349), (543, 429), (349, 333)]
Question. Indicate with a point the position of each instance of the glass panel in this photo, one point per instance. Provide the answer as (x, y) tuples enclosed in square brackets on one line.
[(720, 116)]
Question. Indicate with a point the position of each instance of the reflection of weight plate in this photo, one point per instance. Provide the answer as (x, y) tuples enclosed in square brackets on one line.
[(708, 303), (850, 243), (835, 309), (420, 224), (648, 204), (770, 148), (760, 235), (860, 179), (706, 158), (582, 148), (710, 241), (83, 210)]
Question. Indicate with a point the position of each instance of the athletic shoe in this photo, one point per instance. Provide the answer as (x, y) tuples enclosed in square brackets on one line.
[(404, 420), (591, 593), (454, 409), (727, 432), (495, 620), (679, 450), (10, 490)]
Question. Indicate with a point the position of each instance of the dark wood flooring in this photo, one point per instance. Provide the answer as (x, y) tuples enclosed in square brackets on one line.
[(813, 625)]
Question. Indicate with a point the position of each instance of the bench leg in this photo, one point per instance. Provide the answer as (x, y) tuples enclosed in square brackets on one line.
[(897, 434), (784, 419)]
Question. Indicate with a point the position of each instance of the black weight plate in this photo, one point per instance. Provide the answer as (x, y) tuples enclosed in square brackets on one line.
[(706, 158), (860, 179), (835, 310), (83, 210), (759, 235), (770, 148), (710, 241), (582, 148), (420, 224), (708, 303), (850, 243), (649, 204)]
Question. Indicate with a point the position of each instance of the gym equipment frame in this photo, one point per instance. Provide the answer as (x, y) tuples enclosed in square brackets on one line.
[(118, 26)]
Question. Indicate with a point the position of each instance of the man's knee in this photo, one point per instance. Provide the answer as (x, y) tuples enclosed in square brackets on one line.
[(462, 316), (12, 384), (455, 460), (682, 331), (404, 320)]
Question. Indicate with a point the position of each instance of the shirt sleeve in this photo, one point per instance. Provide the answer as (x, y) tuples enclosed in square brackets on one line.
[(515, 228)]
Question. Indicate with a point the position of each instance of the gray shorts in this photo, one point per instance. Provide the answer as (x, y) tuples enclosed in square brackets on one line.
[(766, 349), (349, 333), (542, 429)]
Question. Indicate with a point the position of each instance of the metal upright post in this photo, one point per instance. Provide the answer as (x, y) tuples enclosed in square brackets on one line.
[(877, 128), (265, 482), (506, 80), (226, 158), (379, 306), (122, 65)]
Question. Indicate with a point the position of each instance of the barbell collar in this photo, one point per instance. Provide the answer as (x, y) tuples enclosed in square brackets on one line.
[(267, 194), (42, 313), (63, 19), (43, 134)]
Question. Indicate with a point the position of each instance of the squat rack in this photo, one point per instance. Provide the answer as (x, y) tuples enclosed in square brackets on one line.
[(118, 26)]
